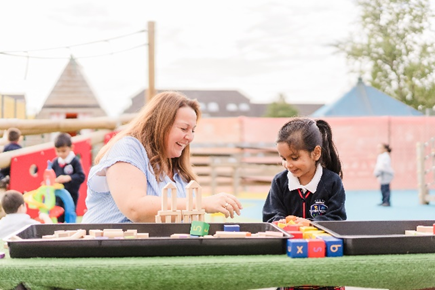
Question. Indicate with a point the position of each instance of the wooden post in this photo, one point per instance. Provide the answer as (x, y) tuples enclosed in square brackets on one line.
[(151, 89), (421, 174)]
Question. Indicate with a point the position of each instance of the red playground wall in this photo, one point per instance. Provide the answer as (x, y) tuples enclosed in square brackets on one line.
[(21, 167)]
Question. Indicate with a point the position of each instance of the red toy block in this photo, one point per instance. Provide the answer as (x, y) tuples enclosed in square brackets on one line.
[(292, 228), (316, 248), (296, 234), (434, 229)]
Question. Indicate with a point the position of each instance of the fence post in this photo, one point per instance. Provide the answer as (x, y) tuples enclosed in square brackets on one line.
[(421, 174)]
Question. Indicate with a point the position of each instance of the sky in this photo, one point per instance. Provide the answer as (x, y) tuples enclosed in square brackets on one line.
[(261, 48)]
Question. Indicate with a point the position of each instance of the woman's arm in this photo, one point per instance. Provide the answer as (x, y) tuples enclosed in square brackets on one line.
[(128, 186)]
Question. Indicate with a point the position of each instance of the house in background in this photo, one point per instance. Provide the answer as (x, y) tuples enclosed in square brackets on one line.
[(223, 103), (12, 106), (363, 100), (71, 97)]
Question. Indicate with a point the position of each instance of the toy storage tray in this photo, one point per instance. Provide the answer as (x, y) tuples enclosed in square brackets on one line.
[(379, 237), (159, 243)]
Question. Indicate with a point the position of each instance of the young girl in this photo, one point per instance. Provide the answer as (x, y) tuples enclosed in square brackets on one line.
[(311, 186), (384, 172)]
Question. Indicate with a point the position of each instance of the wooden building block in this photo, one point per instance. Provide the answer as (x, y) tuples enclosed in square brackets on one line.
[(180, 236), (168, 214), (316, 248), (79, 234), (274, 234), (48, 237), (113, 233), (232, 228), (61, 234), (130, 233), (142, 235), (199, 228), (96, 233), (223, 234), (297, 248), (426, 229)]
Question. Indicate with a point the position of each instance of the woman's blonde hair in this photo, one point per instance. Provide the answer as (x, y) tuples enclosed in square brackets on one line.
[(152, 126)]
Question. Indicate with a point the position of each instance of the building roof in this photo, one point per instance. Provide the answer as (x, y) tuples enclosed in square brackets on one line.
[(363, 100), (71, 94), (223, 103), (219, 103)]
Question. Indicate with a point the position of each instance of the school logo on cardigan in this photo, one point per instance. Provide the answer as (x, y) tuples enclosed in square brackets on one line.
[(68, 169), (318, 208)]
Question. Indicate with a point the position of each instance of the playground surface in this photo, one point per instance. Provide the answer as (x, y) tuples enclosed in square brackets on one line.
[(360, 205)]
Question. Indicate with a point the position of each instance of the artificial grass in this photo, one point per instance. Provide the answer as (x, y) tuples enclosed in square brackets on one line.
[(412, 271)]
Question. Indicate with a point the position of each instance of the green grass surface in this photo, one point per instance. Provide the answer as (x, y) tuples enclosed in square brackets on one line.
[(219, 272)]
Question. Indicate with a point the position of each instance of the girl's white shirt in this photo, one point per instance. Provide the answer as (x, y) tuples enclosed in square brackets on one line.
[(293, 182), (383, 170)]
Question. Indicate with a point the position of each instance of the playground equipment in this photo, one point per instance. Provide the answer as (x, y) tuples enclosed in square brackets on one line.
[(426, 172), (44, 198)]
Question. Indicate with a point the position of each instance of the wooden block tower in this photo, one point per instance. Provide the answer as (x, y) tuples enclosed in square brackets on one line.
[(197, 213), (168, 214)]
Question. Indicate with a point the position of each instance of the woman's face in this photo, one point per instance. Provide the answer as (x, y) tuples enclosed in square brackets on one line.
[(182, 132)]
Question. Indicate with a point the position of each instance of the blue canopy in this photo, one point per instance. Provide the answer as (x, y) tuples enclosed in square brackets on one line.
[(365, 100)]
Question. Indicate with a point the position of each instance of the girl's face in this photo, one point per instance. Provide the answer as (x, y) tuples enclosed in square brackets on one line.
[(301, 163), (381, 148), (182, 132)]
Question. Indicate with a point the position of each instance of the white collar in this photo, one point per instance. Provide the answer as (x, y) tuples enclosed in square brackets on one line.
[(67, 160), (293, 182)]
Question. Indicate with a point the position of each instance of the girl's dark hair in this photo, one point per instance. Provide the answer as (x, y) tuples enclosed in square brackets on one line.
[(306, 134), (387, 147)]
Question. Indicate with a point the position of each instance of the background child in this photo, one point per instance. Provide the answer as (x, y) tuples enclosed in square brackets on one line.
[(13, 135), (68, 169), (16, 217), (384, 172), (311, 186)]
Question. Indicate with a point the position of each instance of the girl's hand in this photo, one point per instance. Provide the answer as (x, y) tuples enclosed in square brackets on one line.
[(222, 202)]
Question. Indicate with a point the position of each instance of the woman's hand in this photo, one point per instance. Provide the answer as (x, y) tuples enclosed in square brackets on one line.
[(222, 202)]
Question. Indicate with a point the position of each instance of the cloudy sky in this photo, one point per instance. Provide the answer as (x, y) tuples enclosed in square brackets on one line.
[(260, 47)]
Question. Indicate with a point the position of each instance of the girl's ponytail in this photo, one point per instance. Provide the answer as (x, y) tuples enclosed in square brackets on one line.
[(330, 158)]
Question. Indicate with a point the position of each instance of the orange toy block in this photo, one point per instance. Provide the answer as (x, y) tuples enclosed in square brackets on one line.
[(290, 218), (316, 248), (303, 222)]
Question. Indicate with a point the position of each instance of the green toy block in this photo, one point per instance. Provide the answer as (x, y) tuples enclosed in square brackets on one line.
[(199, 228)]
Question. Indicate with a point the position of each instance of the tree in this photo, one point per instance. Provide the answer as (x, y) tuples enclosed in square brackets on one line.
[(280, 109), (394, 52)]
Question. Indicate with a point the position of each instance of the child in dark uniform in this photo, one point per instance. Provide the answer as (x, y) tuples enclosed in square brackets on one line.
[(311, 186), (68, 169)]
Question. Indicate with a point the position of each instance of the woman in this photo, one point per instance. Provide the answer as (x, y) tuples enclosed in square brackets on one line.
[(131, 170)]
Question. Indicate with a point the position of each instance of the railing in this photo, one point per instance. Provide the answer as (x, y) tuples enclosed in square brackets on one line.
[(426, 170), (235, 165)]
